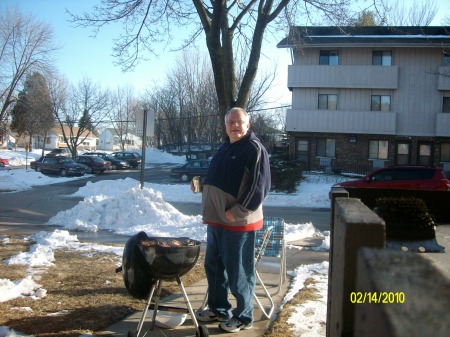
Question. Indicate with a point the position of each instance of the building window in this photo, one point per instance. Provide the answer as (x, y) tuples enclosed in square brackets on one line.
[(378, 149), (425, 154), (445, 152), (402, 154), (446, 104), (329, 57), (380, 103), (327, 102), (326, 147), (447, 59), (382, 58)]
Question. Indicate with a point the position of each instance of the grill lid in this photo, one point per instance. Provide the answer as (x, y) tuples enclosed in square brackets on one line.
[(148, 258)]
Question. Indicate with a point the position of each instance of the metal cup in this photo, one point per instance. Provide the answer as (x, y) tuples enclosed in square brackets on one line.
[(197, 183)]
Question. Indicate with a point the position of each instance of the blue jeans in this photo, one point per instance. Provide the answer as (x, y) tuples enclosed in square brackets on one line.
[(230, 266)]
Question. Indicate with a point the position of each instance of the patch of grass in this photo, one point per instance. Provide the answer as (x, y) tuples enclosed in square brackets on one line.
[(14, 247), (84, 294), (280, 327)]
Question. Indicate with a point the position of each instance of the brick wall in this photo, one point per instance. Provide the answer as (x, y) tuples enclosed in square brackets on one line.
[(352, 156)]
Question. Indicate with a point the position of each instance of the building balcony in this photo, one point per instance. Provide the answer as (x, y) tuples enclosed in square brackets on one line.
[(347, 77), (337, 121), (444, 78), (356, 122), (442, 124)]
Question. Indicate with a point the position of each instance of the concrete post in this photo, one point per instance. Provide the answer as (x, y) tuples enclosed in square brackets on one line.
[(334, 193), (400, 294), (353, 226)]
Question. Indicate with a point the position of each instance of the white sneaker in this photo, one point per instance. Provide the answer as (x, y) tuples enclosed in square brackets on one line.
[(208, 315), (234, 325)]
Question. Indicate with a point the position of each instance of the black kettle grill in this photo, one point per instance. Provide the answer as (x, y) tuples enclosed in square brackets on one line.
[(147, 261)]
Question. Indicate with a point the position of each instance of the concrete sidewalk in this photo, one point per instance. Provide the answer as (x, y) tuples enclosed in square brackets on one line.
[(268, 271), (294, 258)]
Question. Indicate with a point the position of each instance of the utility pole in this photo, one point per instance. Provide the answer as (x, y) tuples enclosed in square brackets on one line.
[(144, 141)]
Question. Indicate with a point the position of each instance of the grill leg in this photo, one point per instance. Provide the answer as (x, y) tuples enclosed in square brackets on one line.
[(188, 304), (144, 313), (155, 308)]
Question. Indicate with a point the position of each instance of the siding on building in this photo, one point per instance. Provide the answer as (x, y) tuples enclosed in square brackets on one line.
[(55, 139), (416, 81), (110, 140)]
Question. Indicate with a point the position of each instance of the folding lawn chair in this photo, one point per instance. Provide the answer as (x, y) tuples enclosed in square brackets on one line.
[(275, 246), (262, 239)]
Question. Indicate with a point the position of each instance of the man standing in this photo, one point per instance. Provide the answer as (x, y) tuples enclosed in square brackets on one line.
[(235, 186)]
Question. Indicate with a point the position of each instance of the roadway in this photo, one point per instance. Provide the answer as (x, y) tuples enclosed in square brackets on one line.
[(24, 213)]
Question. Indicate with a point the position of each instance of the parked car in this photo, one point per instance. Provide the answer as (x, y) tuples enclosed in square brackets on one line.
[(3, 166), (133, 158), (4, 161), (402, 177), (116, 163), (36, 164), (62, 166), (60, 152), (96, 163), (190, 169), (94, 153)]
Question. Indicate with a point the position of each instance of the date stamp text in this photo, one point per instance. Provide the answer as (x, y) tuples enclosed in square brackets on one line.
[(377, 297)]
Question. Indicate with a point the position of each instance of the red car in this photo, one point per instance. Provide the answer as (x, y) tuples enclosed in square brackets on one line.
[(4, 162), (403, 177)]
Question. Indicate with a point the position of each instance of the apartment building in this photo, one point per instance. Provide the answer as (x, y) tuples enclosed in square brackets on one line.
[(368, 97)]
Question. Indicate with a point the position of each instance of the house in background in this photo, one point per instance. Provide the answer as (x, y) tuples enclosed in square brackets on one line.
[(109, 140), (55, 139), (7, 140), (368, 97)]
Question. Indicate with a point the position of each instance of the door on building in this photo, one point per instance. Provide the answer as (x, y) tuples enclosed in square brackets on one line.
[(425, 153), (403, 153), (302, 152)]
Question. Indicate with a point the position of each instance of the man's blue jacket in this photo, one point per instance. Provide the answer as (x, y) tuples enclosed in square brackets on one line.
[(238, 179)]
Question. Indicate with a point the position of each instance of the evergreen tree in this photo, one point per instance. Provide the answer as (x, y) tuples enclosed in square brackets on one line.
[(85, 122), (366, 18), (32, 113)]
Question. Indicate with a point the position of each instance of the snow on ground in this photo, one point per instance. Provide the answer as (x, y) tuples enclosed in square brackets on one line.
[(107, 206)]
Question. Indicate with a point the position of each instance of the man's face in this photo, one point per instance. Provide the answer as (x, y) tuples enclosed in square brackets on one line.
[(236, 125)]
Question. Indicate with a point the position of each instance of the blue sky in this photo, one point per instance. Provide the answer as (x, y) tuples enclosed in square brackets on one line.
[(82, 56)]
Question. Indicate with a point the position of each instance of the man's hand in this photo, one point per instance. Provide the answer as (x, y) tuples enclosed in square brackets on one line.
[(192, 186), (229, 216)]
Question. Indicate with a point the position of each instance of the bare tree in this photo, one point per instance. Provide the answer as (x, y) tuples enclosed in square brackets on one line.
[(186, 104), (167, 120), (123, 113), (260, 92), (269, 124), (193, 79), (186, 107), (411, 13), (58, 87), (78, 109), (228, 26), (447, 20), (26, 45)]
